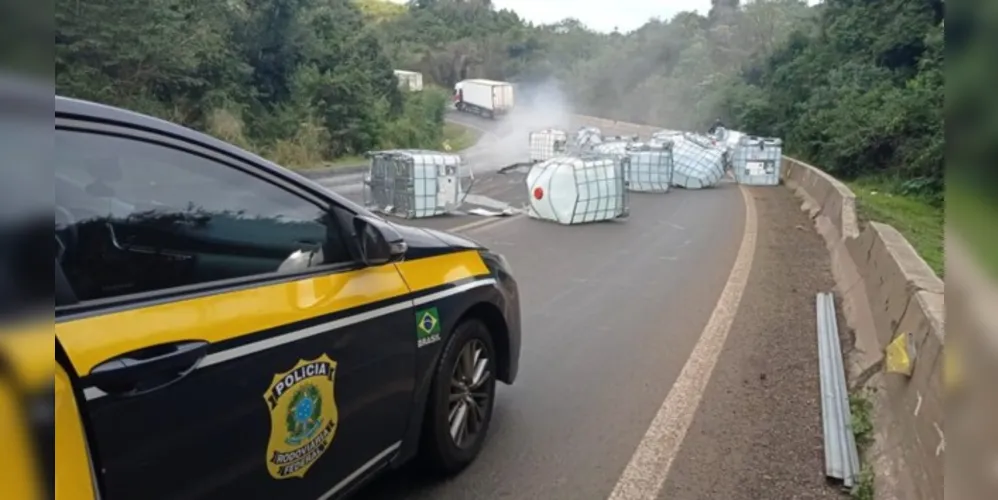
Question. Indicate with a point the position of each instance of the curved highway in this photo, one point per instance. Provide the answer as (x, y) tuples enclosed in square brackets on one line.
[(669, 355)]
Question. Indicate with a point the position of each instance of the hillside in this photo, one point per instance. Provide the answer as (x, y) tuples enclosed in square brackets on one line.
[(855, 87)]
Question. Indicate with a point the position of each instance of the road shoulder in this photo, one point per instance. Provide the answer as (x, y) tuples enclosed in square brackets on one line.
[(758, 432)]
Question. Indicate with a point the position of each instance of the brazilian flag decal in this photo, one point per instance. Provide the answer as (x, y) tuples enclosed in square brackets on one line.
[(427, 326)]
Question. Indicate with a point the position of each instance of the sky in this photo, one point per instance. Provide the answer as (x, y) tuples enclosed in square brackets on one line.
[(600, 15), (603, 15)]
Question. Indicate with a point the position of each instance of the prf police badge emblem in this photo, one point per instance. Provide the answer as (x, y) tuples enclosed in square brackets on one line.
[(303, 416)]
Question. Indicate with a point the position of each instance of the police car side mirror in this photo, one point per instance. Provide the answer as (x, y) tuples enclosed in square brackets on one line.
[(379, 242)]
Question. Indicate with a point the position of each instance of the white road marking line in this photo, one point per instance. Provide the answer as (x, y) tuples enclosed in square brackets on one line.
[(645, 474)]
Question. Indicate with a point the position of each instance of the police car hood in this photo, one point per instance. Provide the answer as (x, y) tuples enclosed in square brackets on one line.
[(421, 240)]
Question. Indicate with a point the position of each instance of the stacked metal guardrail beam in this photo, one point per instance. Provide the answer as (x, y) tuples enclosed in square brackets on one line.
[(841, 454)]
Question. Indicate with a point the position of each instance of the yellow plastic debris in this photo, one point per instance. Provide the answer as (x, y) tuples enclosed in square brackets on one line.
[(901, 355)]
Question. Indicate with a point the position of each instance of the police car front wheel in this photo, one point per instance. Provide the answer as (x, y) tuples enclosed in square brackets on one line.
[(460, 406)]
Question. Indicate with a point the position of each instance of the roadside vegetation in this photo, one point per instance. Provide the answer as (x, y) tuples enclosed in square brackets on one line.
[(853, 87), (917, 218), (458, 137), (454, 138), (861, 408), (864, 488), (299, 81)]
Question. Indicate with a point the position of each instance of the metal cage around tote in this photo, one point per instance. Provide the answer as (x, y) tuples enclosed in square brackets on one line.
[(757, 161), (585, 139), (615, 148), (649, 168), (698, 162), (416, 183), (546, 144), (592, 188)]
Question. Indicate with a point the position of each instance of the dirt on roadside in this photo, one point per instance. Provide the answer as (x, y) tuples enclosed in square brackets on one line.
[(757, 434)]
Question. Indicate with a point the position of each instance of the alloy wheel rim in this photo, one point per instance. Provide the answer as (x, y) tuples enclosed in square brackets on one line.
[(469, 396)]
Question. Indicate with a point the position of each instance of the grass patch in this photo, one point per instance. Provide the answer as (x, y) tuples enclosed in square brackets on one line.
[(972, 213), (919, 221), (861, 409), (864, 486), (338, 163), (346, 161), (459, 137)]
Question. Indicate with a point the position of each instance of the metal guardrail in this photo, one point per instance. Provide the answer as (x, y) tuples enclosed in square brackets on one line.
[(841, 455)]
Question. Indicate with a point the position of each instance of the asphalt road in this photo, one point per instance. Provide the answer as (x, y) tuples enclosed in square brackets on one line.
[(624, 352), (611, 312)]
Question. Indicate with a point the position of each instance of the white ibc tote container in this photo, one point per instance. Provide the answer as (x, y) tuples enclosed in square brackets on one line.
[(547, 144), (577, 189), (731, 139), (663, 137), (588, 137), (757, 161), (611, 148), (416, 183), (727, 140), (697, 161), (649, 169), (621, 138)]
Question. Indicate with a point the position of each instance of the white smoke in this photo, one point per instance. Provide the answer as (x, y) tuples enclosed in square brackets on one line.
[(537, 106)]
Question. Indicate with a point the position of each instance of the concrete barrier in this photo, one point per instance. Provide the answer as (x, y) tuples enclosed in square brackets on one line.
[(613, 127), (894, 273), (887, 289), (824, 195)]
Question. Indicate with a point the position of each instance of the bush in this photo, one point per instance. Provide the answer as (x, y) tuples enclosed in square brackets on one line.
[(420, 124)]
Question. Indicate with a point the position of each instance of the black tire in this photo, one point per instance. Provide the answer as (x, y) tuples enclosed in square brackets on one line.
[(441, 452)]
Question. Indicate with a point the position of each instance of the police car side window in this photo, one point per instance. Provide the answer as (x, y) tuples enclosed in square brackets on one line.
[(135, 217)]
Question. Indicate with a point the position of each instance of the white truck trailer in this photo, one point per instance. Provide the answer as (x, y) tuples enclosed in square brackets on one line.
[(409, 80), (483, 97)]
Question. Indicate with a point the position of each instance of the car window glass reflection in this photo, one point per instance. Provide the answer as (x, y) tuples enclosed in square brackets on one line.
[(136, 217)]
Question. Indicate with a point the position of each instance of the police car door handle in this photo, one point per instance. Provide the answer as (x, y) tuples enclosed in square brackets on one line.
[(149, 368)]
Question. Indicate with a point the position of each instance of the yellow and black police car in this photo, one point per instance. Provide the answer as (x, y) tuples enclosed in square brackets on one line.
[(228, 329)]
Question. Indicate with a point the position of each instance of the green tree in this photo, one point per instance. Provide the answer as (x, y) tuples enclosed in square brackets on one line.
[(859, 93), (299, 80)]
